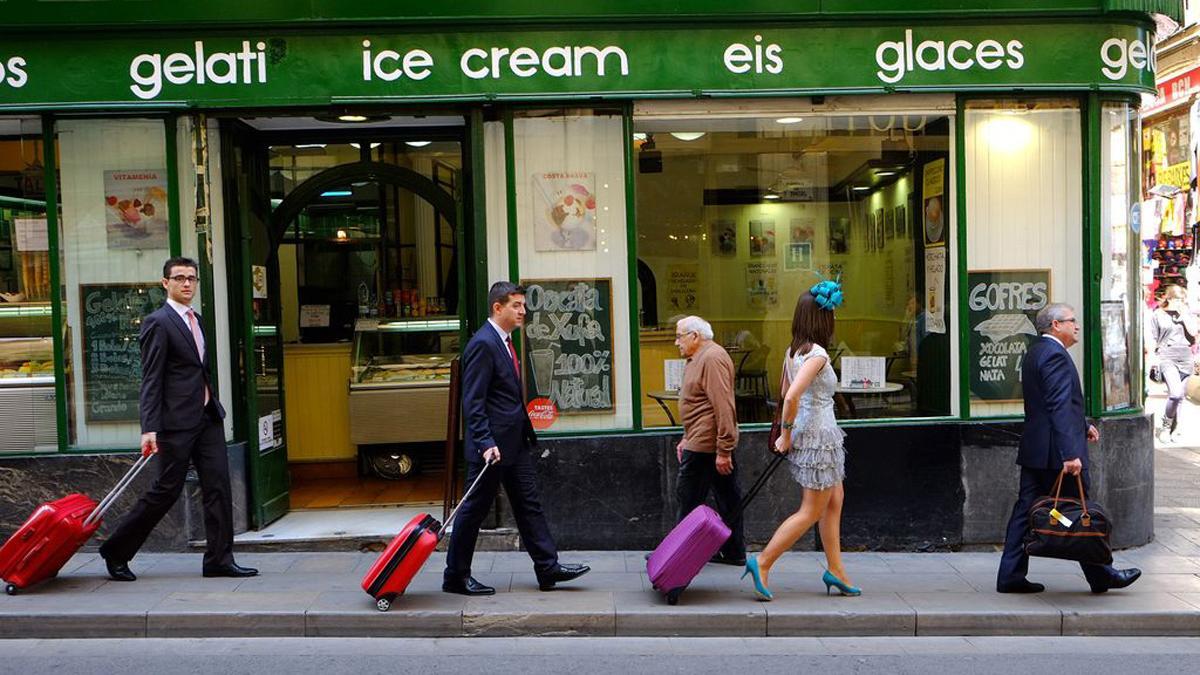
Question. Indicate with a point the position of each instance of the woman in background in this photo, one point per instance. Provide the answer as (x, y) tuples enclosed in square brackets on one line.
[(1173, 331)]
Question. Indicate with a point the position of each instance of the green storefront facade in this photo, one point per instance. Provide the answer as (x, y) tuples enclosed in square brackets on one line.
[(351, 176)]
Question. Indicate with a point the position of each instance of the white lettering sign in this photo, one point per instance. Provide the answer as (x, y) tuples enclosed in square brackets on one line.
[(245, 67), (898, 58)]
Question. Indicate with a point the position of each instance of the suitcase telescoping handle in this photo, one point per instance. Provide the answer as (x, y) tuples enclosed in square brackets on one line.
[(758, 485), (462, 501), (98, 512)]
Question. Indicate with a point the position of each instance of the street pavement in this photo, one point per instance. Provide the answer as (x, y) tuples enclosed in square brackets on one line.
[(317, 594)]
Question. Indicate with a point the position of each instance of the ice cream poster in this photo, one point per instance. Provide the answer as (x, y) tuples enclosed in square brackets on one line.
[(135, 208), (564, 211)]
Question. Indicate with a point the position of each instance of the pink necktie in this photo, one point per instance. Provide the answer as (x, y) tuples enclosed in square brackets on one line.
[(195, 326)]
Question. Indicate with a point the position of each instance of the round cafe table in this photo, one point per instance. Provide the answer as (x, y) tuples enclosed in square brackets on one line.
[(849, 393), (661, 397)]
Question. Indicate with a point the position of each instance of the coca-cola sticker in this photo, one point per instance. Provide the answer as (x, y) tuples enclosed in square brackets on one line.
[(542, 413)]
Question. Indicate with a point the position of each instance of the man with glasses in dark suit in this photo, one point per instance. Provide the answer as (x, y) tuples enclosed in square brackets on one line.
[(181, 422)]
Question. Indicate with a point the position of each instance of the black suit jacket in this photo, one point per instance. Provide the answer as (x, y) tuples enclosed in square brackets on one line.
[(493, 404), (1055, 425), (173, 376)]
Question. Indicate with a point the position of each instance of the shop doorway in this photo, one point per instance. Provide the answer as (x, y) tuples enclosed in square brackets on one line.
[(354, 310)]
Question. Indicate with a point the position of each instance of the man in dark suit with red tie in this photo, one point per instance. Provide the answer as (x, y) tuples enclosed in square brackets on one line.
[(499, 436), (182, 423), (1054, 440)]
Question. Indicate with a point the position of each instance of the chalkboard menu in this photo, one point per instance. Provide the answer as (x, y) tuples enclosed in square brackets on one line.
[(112, 364), (1003, 305), (568, 344)]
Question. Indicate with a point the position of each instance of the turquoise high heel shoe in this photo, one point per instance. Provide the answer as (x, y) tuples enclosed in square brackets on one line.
[(762, 591), (832, 582)]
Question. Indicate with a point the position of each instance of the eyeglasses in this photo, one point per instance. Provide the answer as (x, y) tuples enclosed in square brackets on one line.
[(680, 336), (1072, 320), (181, 279)]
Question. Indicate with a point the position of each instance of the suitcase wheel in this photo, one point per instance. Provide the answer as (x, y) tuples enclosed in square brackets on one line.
[(673, 596), (384, 604), (11, 589)]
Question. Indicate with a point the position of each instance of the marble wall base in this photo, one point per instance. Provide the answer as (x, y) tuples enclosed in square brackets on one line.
[(26, 482)]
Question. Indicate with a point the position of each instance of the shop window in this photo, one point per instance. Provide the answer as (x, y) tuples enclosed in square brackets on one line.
[(738, 216), (115, 239), (572, 255), (1120, 291), (1024, 237), (27, 403)]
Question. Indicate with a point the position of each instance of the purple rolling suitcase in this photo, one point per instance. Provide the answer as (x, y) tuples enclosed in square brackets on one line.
[(695, 540)]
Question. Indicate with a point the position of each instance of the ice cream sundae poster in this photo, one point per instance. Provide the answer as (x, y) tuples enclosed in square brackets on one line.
[(564, 211), (1002, 306), (135, 208)]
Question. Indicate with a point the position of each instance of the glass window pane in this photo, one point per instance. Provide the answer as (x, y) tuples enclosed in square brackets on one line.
[(113, 175), (1024, 237), (27, 413), (738, 217), (572, 256), (1120, 292)]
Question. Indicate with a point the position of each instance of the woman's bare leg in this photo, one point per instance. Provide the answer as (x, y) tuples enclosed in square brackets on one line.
[(812, 506), (830, 527)]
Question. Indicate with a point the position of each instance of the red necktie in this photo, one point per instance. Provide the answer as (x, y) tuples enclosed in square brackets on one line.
[(513, 353)]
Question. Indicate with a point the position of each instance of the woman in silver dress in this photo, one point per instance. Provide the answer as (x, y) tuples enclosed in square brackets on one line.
[(812, 442)]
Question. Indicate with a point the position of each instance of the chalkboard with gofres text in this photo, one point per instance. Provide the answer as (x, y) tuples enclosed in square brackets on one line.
[(568, 344), (112, 362), (1002, 307)]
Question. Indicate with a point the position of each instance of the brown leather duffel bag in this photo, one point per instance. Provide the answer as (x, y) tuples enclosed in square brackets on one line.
[(1068, 528)]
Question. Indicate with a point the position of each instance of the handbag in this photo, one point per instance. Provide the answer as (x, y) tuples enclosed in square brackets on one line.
[(1069, 529)]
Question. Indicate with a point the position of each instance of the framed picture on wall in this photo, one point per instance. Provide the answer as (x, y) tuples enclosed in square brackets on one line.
[(901, 221), (839, 235), (889, 224), (868, 231), (723, 234), (762, 239)]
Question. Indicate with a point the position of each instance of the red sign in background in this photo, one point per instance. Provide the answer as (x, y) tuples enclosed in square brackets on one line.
[(542, 413)]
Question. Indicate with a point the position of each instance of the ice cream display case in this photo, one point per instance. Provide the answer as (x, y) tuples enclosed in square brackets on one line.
[(27, 410), (400, 379)]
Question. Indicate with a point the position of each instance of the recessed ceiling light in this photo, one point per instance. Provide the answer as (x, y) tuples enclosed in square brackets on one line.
[(687, 135), (352, 118), (310, 145), (770, 195), (417, 144), (862, 187), (359, 147), (885, 173), (790, 120), (337, 193)]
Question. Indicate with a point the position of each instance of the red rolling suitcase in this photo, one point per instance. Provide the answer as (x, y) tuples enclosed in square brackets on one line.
[(695, 540), (54, 533), (406, 553)]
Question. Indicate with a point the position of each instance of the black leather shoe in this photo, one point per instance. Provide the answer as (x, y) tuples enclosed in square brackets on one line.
[(546, 580), (119, 571), (230, 570), (466, 587), (722, 560), (1021, 586), (1121, 579)]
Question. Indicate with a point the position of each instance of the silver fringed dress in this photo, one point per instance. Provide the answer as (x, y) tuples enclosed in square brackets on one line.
[(818, 456)]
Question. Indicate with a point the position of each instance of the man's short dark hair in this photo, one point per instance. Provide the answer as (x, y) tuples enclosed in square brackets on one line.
[(179, 261), (500, 293)]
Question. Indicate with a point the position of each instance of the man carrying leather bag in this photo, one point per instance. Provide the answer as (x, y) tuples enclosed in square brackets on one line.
[(1053, 442)]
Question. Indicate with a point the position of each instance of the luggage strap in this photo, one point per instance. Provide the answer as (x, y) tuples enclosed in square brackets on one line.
[(1087, 517), (462, 501), (758, 485), (98, 512)]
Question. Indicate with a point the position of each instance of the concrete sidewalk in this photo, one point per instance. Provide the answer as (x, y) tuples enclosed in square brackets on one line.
[(318, 594)]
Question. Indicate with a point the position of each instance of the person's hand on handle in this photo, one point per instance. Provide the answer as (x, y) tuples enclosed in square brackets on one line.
[(1073, 467), (783, 444), (491, 455), (1093, 434), (149, 443), (724, 464)]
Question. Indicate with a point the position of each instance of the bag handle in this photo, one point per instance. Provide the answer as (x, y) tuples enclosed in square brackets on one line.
[(462, 501), (1086, 519), (98, 512), (758, 485)]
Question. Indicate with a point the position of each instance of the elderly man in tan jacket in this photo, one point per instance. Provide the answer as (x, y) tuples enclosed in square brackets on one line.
[(710, 433)]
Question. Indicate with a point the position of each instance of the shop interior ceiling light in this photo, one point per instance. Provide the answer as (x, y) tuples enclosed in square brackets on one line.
[(790, 120), (417, 144), (687, 135), (352, 118), (358, 146), (337, 193)]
